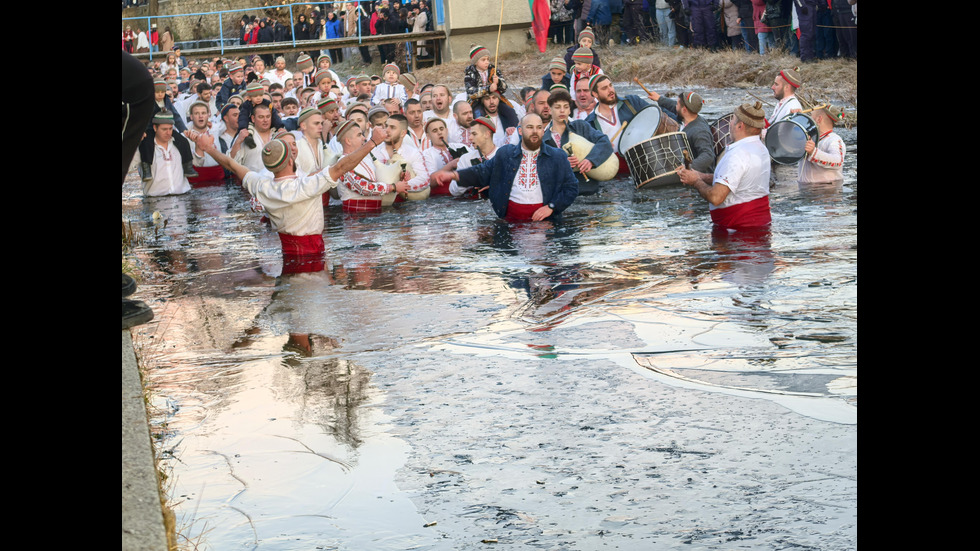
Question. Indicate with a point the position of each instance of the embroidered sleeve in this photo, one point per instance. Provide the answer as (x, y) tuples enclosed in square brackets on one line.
[(362, 186), (832, 158)]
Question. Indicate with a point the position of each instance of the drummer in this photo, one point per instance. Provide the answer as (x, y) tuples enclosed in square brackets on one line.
[(824, 160), (784, 88), (612, 115), (693, 125), (738, 191), (557, 134)]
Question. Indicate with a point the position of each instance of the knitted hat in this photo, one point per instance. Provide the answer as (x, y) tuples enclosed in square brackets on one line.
[(274, 155), (327, 104), (237, 96), (304, 61), (321, 58), (320, 75), (265, 82), (408, 81), (476, 52), (837, 114), (596, 79), (305, 114), (159, 85), (376, 110), (692, 101), (350, 80), (344, 128), (356, 106), (586, 33), (751, 114), (254, 89), (362, 78), (235, 68), (792, 76), (280, 58), (391, 67), (558, 86), (163, 117), (558, 63), (227, 107), (280, 133), (583, 55), (488, 122)]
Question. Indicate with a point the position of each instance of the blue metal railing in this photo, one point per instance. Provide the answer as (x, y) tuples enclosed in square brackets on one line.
[(436, 6)]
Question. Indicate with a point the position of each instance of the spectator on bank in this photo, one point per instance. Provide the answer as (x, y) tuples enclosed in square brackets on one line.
[(749, 39), (166, 40), (154, 39), (733, 34), (766, 39), (600, 19), (128, 39), (845, 19), (562, 26), (334, 28)]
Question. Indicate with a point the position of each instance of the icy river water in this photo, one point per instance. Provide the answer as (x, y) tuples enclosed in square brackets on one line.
[(624, 380)]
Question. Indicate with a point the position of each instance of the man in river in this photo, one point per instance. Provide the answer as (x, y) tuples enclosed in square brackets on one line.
[(293, 204), (612, 115), (686, 107), (784, 88), (531, 181), (738, 191)]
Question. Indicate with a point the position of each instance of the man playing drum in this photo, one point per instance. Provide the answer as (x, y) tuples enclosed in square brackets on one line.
[(738, 191), (784, 88), (693, 125), (612, 115), (824, 160)]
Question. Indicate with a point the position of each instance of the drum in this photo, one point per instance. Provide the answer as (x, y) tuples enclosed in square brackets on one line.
[(654, 161), (649, 122), (786, 139), (721, 133)]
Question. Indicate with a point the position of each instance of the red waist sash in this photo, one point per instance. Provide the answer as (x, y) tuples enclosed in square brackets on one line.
[(751, 214), (208, 174), (302, 253), (517, 212), (362, 205)]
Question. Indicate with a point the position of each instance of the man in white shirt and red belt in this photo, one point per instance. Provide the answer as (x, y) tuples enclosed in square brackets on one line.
[(738, 191)]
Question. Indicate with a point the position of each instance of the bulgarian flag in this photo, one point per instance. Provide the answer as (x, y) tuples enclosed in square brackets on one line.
[(540, 20)]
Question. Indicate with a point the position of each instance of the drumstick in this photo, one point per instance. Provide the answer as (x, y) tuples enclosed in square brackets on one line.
[(758, 98), (687, 159), (814, 108), (636, 80)]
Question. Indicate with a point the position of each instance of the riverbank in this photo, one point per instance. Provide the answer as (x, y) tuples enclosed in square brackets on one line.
[(833, 80)]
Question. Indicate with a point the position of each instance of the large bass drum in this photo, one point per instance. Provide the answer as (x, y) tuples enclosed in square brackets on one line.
[(786, 138), (649, 122), (654, 162), (721, 134)]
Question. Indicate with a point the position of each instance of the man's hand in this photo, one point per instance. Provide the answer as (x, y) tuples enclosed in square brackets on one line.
[(378, 135), (809, 147), (654, 96), (688, 177), (542, 213), (441, 178), (584, 166)]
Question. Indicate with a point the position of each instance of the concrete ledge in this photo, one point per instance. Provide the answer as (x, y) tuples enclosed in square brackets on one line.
[(142, 513)]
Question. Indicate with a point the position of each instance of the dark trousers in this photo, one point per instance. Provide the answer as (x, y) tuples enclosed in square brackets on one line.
[(137, 108), (826, 37), (336, 55), (632, 21), (847, 34), (807, 15), (365, 54), (703, 27)]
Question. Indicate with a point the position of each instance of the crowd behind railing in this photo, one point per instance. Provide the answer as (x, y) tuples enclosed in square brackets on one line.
[(325, 21)]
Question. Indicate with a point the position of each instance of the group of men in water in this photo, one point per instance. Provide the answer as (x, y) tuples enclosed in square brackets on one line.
[(299, 141)]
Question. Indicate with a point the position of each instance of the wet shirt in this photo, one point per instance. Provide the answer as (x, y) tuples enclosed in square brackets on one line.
[(294, 204), (744, 170), (168, 173)]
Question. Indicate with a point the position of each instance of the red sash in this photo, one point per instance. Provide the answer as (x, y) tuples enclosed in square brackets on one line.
[(362, 205), (439, 190), (752, 214), (624, 168), (208, 175), (302, 253), (519, 212)]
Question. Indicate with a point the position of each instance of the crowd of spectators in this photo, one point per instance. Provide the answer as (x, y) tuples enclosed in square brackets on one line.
[(809, 29)]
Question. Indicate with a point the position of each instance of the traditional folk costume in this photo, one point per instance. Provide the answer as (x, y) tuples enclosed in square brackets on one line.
[(826, 163), (744, 170), (698, 131), (168, 174)]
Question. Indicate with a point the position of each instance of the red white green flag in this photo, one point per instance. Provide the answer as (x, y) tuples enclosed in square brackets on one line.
[(540, 21)]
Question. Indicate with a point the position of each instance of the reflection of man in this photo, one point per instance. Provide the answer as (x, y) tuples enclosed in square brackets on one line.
[(530, 181), (738, 191)]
